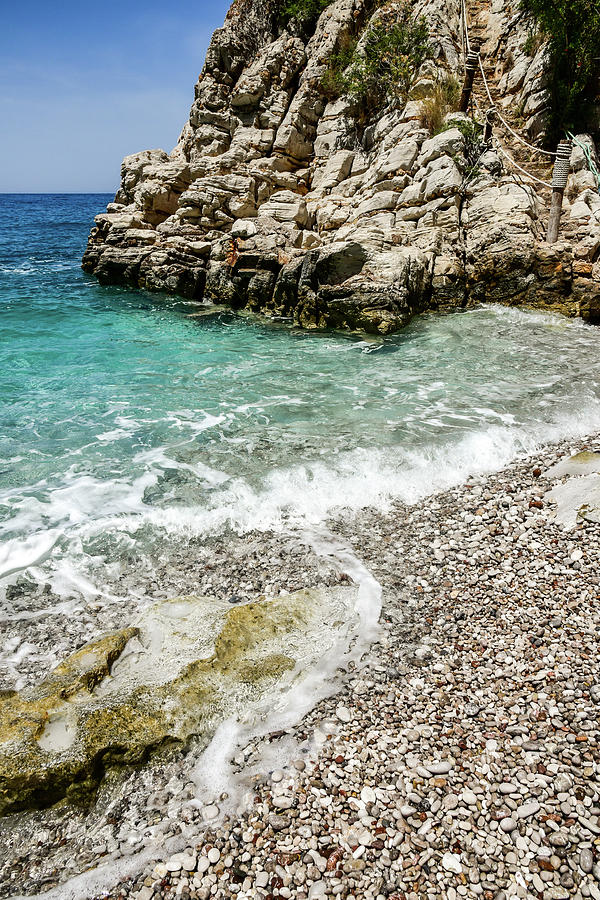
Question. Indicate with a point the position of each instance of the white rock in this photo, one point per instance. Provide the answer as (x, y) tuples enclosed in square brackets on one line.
[(367, 795), (440, 768), (451, 862), (528, 809), (446, 142), (343, 713)]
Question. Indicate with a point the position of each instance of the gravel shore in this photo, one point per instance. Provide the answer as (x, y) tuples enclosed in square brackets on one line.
[(461, 757)]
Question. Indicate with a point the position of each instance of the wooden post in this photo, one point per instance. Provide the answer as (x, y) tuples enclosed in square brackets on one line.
[(490, 118), (562, 165), (470, 68)]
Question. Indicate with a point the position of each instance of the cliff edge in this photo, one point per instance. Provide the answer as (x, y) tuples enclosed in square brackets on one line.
[(292, 198)]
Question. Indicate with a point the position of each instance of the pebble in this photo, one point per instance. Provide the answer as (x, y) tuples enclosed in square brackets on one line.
[(451, 862), (450, 801), (508, 824), (440, 768), (367, 795), (586, 860), (343, 713), (203, 864), (528, 809), (214, 855)]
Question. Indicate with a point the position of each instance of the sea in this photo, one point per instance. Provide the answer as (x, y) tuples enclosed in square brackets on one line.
[(128, 419)]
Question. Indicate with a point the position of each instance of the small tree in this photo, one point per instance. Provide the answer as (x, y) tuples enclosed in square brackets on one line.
[(572, 28), (385, 62)]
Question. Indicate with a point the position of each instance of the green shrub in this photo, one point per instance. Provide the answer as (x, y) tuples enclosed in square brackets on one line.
[(443, 100), (473, 146), (305, 12), (333, 81), (384, 63), (572, 28)]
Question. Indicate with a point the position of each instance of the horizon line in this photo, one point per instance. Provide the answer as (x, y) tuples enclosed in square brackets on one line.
[(55, 193)]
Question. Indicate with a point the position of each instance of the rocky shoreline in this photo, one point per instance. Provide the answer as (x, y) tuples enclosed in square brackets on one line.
[(282, 199), (459, 758)]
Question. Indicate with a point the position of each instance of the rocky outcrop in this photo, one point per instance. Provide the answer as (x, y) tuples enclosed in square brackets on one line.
[(180, 670), (286, 202)]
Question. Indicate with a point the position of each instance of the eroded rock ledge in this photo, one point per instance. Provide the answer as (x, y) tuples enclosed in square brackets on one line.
[(276, 199)]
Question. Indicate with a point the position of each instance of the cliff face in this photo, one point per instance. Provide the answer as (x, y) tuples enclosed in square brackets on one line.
[(283, 201)]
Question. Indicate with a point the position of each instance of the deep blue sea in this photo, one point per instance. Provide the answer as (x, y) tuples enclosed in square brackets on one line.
[(126, 416)]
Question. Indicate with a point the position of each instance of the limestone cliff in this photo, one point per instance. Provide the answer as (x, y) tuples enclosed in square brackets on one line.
[(282, 200)]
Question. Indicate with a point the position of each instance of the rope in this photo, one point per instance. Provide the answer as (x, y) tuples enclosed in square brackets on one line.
[(562, 166), (505, 123), (465, 25), (517, 166), (559, 164), (588, 155)]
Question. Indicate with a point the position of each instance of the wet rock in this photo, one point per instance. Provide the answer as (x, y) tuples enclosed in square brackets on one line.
[(105, 704)]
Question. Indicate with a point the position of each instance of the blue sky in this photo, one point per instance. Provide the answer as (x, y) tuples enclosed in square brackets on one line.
[(84, 84)]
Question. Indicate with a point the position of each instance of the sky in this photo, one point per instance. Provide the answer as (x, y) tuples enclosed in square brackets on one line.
[(84, 84)]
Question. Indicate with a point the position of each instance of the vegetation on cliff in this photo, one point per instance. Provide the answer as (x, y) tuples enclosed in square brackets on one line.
[(383, 64), (305, 12), (572, 28)]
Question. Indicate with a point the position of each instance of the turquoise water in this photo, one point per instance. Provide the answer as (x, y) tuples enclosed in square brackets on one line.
[(125, 416)]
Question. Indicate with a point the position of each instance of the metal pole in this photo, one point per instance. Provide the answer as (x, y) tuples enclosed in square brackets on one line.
[(490, 118), (471, 66), (562, 165)]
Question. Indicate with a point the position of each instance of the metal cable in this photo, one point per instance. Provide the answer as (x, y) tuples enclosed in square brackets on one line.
[(504, 122), (465, 25)]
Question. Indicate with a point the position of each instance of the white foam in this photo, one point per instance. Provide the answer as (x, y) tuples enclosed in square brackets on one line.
[(308, 494), (287, 498), (17, 554)]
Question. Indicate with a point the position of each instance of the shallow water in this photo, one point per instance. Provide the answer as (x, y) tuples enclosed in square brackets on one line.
[(124, 416)]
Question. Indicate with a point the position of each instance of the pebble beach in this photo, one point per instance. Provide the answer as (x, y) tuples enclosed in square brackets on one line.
[(458, 758)]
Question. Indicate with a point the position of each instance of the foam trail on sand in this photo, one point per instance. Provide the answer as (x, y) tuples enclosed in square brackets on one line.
[(214, 772), (303, 694)]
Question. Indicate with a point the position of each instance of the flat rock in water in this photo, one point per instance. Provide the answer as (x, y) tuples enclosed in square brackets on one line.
[(177, 672)]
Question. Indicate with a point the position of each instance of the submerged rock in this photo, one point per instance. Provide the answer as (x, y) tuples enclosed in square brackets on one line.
[(186, 665)]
